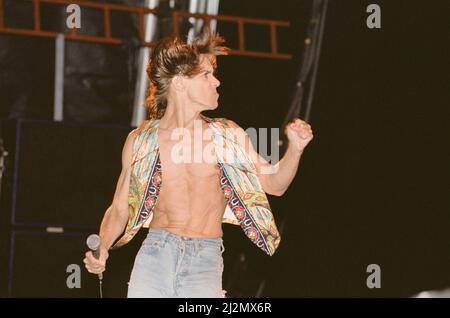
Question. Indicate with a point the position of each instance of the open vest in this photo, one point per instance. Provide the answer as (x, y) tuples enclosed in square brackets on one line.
[(247, 203)]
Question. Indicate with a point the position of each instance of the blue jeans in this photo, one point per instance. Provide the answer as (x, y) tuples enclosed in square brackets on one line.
[(168, 265)]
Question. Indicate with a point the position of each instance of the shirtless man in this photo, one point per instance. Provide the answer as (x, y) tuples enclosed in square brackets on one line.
[(182, 254)]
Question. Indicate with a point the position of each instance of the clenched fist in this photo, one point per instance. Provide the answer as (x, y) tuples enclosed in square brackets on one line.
[(299, 134), (96, 266)]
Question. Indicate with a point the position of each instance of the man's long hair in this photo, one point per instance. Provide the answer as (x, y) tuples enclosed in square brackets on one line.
[(170, 57)]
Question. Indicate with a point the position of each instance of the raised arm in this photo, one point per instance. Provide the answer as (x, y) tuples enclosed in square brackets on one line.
[(276, 178)]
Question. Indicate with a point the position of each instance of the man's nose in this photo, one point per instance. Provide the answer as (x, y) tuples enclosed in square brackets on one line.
[(216, 82)]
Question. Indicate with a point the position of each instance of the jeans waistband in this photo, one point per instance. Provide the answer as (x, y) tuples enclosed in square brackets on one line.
[(195, 240)]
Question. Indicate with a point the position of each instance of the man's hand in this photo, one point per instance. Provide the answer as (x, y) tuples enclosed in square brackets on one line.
[(96, 266), (299, 134)]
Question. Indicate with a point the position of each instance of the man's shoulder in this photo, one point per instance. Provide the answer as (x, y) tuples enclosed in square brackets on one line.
[(211, 119), (142, 127), (223, 121), (229, 124)]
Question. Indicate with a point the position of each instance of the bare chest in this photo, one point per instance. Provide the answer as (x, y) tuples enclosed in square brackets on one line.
[(187, 159)]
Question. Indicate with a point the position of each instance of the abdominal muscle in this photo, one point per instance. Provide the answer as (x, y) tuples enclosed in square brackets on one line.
[(191, 202)]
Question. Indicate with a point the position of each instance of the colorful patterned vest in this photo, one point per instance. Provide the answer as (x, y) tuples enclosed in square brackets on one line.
[(247, 204)]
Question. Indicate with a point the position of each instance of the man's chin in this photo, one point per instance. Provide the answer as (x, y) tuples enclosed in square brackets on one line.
[(213, 106)]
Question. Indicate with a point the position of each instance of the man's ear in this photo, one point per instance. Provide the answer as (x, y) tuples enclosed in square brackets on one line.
[(178, 83)]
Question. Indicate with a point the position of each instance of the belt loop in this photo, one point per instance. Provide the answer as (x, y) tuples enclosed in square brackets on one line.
[(182, 244), (222, 247), (198, 245)]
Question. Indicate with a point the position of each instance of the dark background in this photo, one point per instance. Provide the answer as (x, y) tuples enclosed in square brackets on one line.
[(372, 187)]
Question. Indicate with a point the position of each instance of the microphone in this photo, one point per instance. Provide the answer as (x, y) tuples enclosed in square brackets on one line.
[(93, 242)]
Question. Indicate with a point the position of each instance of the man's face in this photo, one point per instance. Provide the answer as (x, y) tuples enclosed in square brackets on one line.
[(202, 88)]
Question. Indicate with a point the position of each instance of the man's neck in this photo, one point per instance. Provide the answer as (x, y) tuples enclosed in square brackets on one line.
[(173, 119)]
